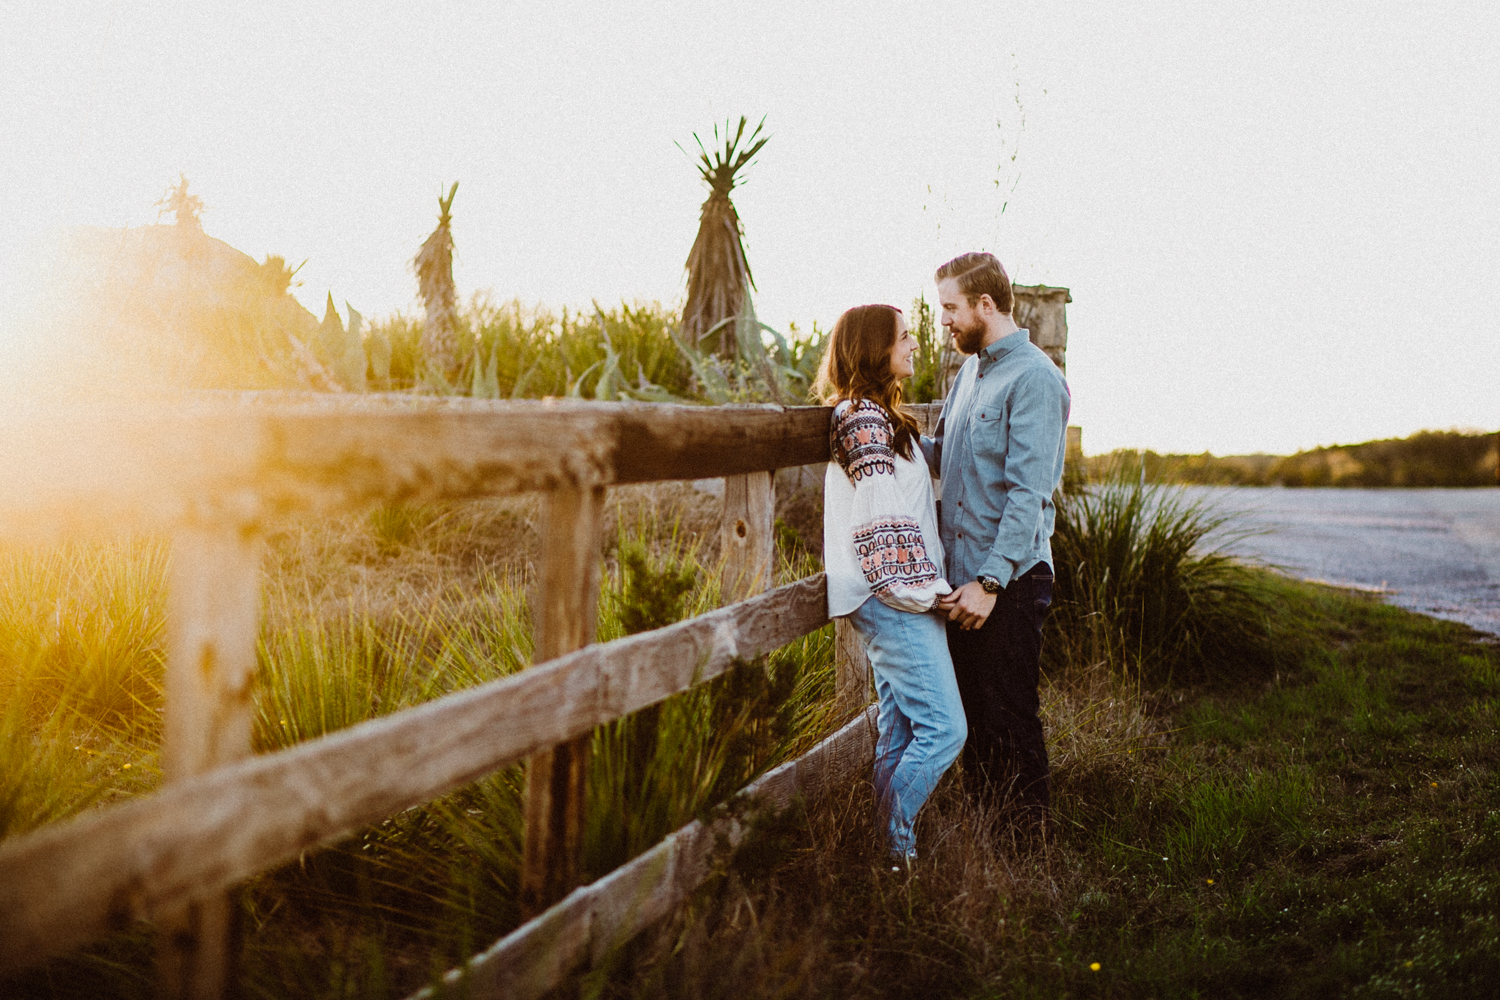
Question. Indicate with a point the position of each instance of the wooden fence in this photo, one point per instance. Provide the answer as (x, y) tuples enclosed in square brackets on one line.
[(215, 476)]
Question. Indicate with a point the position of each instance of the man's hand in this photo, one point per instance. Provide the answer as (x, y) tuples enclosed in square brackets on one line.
[(969, 605)]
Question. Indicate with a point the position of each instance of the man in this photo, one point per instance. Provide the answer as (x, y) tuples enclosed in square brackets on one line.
[(999, 449)]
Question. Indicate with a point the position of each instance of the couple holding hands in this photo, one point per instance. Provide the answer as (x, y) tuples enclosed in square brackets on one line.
[(948, 602)]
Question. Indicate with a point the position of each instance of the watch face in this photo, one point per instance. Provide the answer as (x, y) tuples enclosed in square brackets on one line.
[(990, 584)]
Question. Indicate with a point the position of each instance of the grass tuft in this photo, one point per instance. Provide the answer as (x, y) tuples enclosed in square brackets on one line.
[(1261, 787), (1139, 583)]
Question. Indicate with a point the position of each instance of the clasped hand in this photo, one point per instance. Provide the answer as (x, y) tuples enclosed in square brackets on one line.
[(969, 605)]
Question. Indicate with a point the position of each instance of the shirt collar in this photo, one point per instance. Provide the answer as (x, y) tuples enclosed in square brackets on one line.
[(1004, 345)]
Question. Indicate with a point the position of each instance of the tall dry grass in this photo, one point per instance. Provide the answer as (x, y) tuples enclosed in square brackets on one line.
[(816, 910), (366, 616)]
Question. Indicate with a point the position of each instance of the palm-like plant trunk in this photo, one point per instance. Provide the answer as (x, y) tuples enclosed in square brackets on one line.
[(718, 276), (434, 267), (719, 279)]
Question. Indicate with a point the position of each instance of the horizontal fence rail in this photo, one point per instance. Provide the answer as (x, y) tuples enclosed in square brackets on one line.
[(541, 954), (108, 472), (67, 884), (217, 474)]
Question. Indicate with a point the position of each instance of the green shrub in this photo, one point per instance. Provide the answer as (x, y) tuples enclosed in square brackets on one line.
[(1140, 581), (630, 352)]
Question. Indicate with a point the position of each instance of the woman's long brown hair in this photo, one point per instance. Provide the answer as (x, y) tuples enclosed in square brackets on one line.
[(857, 365)]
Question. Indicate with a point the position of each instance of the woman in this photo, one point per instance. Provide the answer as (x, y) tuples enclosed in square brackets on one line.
[(883, 556)]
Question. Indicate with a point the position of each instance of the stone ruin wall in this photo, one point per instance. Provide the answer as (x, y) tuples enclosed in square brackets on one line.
[(1042, 311)]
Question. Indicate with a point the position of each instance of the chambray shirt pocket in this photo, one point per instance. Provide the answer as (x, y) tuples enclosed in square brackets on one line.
[(989, 437), (988, 411)]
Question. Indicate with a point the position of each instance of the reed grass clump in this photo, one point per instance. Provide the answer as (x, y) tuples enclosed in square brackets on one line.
[(631, 352), (1144, 580), (364, 616), (81, 660), (367, 615)]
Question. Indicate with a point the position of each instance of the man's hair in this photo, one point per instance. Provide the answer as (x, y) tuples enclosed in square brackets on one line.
[(980, 274)]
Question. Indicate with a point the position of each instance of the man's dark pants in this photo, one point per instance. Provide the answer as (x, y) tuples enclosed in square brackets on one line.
[(998, 667)]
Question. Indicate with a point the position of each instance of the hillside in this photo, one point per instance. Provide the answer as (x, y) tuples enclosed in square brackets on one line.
[(1427, 458), (165, 307)]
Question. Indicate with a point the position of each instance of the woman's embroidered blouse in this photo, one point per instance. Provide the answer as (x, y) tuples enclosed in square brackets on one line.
[(880, 531)]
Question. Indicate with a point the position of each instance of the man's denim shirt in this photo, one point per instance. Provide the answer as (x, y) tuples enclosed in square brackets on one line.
[(999, 450)]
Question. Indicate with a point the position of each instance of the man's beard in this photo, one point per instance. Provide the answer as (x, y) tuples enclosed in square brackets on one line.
[(969, 339)]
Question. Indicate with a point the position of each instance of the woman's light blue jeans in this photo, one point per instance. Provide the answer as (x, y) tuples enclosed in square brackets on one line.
[(922, 726)]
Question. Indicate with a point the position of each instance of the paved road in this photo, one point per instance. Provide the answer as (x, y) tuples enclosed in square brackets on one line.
[(1430, 550)]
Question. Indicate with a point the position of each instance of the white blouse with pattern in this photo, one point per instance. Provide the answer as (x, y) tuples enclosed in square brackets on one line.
[(880, 531)]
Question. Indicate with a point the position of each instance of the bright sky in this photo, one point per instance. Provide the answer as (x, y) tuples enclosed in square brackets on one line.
[(1280, 221)]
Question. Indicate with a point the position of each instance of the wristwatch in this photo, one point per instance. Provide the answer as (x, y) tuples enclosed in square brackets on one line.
[(990, 584)]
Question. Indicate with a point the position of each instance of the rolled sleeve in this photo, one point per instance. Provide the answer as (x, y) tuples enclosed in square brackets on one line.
[(932, 447), (932, 451)]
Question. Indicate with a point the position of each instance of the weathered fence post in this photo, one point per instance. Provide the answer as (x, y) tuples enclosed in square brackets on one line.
[(565, 618), (213, 623), (851, 677), (748, 534)]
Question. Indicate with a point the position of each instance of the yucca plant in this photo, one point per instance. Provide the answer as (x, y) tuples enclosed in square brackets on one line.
[(434, 267), (719, 279), (341, 349)]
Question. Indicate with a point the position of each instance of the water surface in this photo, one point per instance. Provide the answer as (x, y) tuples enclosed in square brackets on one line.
[(1436, 551)]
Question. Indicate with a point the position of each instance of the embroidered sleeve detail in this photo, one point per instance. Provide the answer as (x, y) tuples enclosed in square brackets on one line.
[(862, 441), (892, 554)]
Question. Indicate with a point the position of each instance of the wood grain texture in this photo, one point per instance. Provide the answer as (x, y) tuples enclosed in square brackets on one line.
[(664, 441), (580, 931), (851, 677), (66, 884), (565, 616), (213, 623), (123, 470), (747, 534), (926, 415)]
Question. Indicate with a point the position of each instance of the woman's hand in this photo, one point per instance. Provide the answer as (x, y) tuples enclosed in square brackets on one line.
[(969, 605)]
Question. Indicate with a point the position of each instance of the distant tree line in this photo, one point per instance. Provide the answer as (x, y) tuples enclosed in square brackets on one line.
[(1427, 458)]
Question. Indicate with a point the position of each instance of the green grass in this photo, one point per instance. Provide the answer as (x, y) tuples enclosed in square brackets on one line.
[(1141, 582), (628, 352), (440, 604), (1286, 750), (1331, 830)]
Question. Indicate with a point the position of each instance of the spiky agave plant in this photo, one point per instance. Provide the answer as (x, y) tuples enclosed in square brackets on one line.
[(434, 267), (719, 280)]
